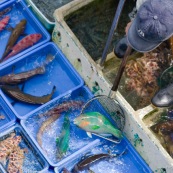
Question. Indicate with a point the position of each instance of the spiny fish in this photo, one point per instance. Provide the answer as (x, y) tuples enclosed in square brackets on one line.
[(17, 31), (63, 107), (44, 126), (96, 123), (23, 44), (86, 163), (6, 10), (4, 22), (63, 140), (12, 79), (17, 94)]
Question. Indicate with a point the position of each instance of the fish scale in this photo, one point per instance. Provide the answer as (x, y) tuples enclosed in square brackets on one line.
[(23, 44), (4, 22)]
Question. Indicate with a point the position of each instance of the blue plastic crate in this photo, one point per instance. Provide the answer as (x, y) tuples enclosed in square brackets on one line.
[(33, 123), (59, 73), (7, 117), (2, 1), (33, 160), (129, 162), (2, 170), (20, 11)]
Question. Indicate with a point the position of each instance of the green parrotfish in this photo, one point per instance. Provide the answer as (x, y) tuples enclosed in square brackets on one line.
[(63, 140), (96, 123)]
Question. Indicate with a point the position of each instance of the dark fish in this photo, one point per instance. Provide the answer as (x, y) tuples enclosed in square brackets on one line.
[(163, 127), (86, 163), (12, 79), (18, 30), (5, 11), (64, 107), (17, 94)]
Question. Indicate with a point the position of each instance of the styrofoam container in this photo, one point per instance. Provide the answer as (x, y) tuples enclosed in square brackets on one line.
[(33, 160), (20, 11), (9, 117), (129, 162), (33, 123), (59, 73)]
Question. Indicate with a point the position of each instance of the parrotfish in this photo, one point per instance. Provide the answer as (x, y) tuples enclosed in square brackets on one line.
[(4, 22), (63, 140), (17, 31), (26, 42), (96, 123)]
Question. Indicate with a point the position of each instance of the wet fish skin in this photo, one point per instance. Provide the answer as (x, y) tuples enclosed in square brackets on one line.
[(6, 10), (64, 107), (45, 126), (96, 123), (17, 94), (26, 42), (86, 163), (17, 31), (63, 140), (4, 22), (12, 79)]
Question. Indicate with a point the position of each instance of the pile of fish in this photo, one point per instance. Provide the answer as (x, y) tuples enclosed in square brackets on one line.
[(11, 153), (14, 46)]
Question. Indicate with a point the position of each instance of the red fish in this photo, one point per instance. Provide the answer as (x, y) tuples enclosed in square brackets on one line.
[(4, 22), (23, 44)]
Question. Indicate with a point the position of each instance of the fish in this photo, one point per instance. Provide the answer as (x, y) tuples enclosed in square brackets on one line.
[(17, 31), (63, 140), (45, 126), (4, 22), (97, 123), (26, 42), (64, 170), (5, 11), (86, 163), (17, 94), (163, 127), (63, 107), (12, 79)]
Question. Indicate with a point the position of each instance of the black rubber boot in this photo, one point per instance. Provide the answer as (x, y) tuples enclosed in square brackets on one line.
[(164, 97)]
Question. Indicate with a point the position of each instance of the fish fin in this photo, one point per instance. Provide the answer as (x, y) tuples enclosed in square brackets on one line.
[(9, 28), (89, 134), (95, 127)]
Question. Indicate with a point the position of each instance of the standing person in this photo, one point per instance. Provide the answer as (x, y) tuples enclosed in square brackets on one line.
[(152, 25)]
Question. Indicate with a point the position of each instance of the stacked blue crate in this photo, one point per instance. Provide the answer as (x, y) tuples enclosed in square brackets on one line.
[(69, 89)]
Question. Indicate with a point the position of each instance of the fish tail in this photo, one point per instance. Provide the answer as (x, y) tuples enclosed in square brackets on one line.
[(117, 133), (41, 70)]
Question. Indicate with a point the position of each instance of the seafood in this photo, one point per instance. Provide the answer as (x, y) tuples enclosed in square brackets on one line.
[(44, 126), (4, 22), (63, 107), (86, 163), (12, 79), (63, 140), (17, 94), (163, 127), (96, 123), (2, 117), (17, 31), (16, 159), (8, 145), (23, 44), (64, 170), (6, 10)]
